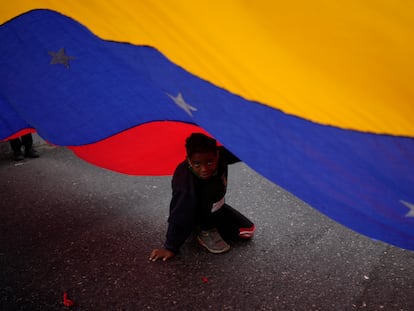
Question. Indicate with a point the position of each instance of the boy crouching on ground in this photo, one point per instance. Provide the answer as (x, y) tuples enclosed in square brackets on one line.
[(198, 188)]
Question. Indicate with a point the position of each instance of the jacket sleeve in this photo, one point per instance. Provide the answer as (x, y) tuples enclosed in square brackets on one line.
[(228, 157), (176, 237), (181, 220)]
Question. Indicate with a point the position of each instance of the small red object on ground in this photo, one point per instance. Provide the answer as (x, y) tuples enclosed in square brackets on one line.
[(205, 280), (67, 302)]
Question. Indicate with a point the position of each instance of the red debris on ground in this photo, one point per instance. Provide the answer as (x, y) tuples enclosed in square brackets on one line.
[(67, 302)]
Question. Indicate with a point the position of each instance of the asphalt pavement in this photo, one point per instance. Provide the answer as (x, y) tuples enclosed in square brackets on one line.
[(68, 226)]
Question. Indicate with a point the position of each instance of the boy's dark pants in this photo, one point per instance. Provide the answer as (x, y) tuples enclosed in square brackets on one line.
[(228, 222)]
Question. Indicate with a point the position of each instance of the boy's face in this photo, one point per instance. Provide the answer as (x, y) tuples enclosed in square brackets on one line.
[(204, 164)]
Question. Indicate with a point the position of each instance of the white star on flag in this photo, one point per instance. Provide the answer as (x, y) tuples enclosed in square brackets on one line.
[(410, 207), (180, 102), (60, 57)]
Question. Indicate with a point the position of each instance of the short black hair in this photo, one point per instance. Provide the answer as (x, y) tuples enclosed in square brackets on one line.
[(198, 142)]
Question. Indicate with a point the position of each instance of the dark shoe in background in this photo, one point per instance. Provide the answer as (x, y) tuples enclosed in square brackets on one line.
[(18, 156), (32, 153)]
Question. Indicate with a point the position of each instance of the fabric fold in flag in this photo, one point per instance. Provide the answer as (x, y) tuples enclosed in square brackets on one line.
[(128, 108)]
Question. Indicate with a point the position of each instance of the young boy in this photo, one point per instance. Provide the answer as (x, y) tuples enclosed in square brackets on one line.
[(198, 189)]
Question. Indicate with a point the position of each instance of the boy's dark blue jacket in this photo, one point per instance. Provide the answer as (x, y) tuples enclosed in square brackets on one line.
[(191, 195)]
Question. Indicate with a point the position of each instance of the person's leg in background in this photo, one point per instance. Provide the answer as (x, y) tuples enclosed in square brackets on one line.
[(16, 146), (27, 142)]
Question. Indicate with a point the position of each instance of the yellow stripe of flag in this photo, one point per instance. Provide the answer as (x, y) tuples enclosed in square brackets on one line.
[(347, 63)]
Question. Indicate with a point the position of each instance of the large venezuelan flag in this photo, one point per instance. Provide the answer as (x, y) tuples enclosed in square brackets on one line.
[(316, 96)]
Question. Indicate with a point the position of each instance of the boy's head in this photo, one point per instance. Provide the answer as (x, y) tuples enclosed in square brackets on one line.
[(202, 155)]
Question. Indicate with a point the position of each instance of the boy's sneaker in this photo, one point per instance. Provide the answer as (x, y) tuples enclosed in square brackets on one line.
[(212, 240)]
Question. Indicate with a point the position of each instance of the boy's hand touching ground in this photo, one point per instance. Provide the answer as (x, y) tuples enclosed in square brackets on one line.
[(161, 253)]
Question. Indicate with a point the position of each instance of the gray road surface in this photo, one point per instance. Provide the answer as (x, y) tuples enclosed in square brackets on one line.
[(67, 226)]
